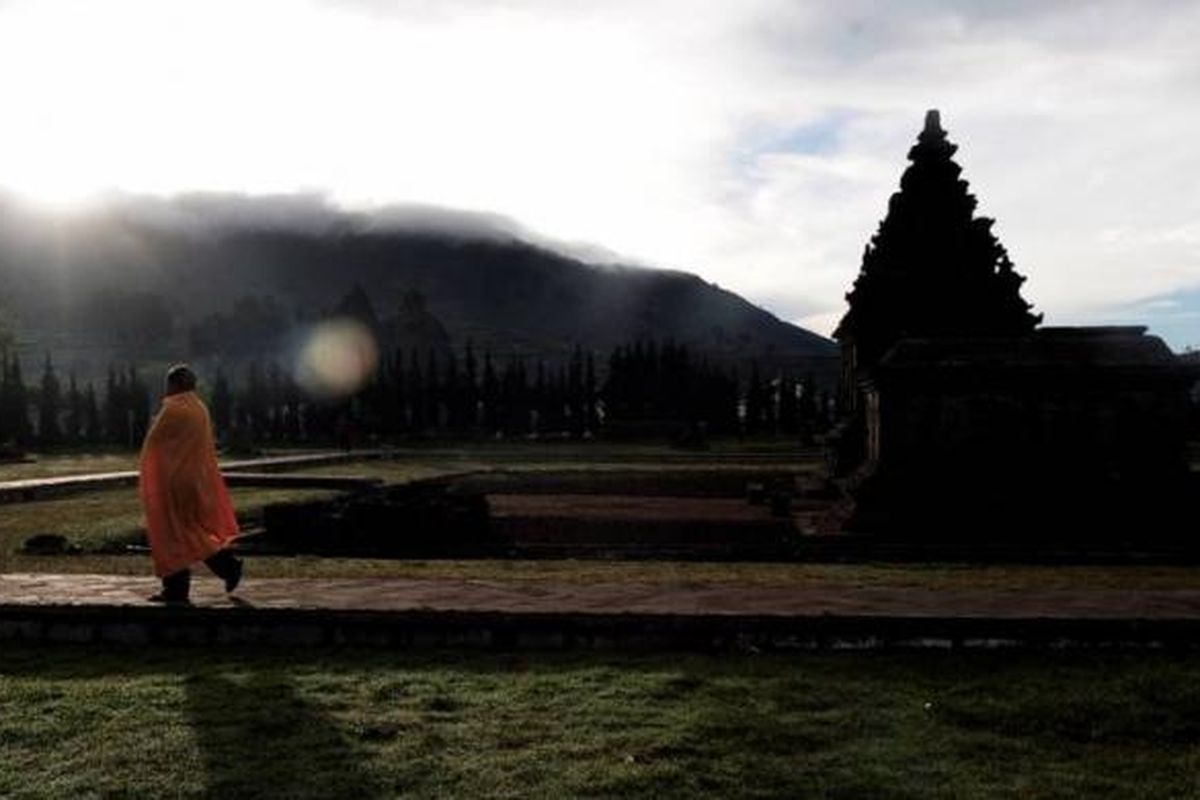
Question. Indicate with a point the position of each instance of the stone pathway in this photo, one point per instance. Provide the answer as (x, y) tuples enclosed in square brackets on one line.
[(541, 614)]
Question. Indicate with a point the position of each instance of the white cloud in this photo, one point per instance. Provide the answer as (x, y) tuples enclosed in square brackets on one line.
[(753, 142)]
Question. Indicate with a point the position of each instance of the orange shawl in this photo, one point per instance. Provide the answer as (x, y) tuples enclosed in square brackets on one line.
[(189, 515)]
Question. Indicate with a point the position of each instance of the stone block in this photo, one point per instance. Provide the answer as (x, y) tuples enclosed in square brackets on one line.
[(304, 635), (74, 633), (362, 635), (183, 634), (541, 640), (124, 633), (24, 630), (239, 634)]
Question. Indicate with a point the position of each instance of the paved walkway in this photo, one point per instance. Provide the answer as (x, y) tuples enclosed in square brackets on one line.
[(550, 615), (545, 597)]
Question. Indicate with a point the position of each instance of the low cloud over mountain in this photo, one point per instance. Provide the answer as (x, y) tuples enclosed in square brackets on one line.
[(229, 277)]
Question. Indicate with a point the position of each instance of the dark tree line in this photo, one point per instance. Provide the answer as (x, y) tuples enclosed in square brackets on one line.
[(649, 387), (429, 394), (784, 404), (49, 414), (415, 393), (14, 402), (648, 382), (652, 382)]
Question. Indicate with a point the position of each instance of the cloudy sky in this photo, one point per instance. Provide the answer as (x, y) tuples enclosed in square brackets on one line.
[(754, 142)]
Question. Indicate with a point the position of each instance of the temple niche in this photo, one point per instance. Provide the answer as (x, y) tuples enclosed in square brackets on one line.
[(965, 420)]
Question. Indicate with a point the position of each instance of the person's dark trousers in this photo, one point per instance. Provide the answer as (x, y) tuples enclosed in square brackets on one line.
[(176, 586), (224, 564)]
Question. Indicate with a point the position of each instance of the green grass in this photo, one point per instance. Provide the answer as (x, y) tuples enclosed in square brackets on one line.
[(101, 518), (98, 518), (459, 456), (94, 722)]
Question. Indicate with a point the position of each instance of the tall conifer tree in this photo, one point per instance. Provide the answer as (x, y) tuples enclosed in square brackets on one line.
[(491, 396), (19, 427), (575, 397), (416, 395), (432, 399), (138, 397), (222, 404), (49, 405), (75, 410), (470, 387), (591, 420), (397, 415), (92, 426), (5, 399), (756, 398), (114, 409)]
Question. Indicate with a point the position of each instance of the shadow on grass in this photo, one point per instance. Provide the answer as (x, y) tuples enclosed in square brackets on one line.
[(259, 738)]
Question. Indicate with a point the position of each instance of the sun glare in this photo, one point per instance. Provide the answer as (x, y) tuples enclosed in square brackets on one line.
[(52, 194)]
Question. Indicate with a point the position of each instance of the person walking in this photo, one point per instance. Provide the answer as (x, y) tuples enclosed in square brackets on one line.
[(189, 515)]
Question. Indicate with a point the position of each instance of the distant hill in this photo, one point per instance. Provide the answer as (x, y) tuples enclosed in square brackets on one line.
[(233, 278)]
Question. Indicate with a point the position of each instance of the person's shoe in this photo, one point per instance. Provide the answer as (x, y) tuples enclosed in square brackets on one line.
[(169, 600), (235, 576)]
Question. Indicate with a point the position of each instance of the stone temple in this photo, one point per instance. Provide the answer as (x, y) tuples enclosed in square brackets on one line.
[(967, 421)]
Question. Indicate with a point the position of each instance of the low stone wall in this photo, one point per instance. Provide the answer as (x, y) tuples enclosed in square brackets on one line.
[(548, 631)]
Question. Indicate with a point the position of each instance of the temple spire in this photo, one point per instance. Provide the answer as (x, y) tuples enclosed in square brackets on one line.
[(933, 269), (933, 124), (932, 137)]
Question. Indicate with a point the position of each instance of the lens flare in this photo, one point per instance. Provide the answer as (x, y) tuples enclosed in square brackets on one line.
[(338, 358)]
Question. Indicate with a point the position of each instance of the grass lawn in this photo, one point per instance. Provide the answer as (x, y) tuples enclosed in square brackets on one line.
[(66, 462), (100, 517), (473, 455), (106, 516), (93, 722), (113, 515)]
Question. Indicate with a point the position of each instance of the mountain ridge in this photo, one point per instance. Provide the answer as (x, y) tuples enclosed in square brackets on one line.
[(90, 279)]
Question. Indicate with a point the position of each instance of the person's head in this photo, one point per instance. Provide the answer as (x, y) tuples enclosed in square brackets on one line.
[(180, 378)]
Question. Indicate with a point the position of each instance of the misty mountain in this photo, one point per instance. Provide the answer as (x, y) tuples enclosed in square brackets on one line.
[(231, 278)]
